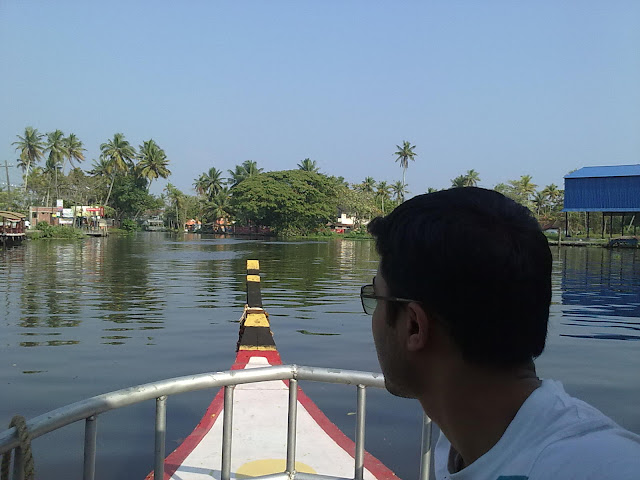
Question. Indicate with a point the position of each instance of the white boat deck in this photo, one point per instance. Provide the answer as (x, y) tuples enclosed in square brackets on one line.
[(259, 444)]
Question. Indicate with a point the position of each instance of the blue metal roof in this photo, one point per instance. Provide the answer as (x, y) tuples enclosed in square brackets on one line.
[(602, 194), (606, 171)]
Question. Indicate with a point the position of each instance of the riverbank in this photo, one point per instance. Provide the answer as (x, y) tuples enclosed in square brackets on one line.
[(63, 232)]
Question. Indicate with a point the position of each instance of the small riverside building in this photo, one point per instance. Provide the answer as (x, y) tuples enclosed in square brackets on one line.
[(612, 190)]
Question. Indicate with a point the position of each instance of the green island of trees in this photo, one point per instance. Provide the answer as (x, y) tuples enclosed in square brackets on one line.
[(299, 201)]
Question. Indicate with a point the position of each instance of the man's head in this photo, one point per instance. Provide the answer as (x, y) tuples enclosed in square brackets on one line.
[(476, 261)]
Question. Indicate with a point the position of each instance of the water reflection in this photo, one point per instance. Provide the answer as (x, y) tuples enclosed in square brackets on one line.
[(601, 293), (126, 311)]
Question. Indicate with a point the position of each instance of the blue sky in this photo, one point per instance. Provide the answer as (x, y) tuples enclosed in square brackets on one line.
[(504, 87)]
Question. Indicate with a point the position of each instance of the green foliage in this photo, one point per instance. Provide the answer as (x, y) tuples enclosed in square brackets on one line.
[(152, 162), (129, 225), (403, 155), (360, 233), (130, 197), (56, 231), (359, 204), (290, 201), (309, 165), (248, 169), (469, 179)]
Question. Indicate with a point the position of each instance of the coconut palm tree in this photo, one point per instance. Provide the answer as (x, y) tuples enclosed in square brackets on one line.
[(308, 165), (540, 201), (368, 185), (152, 162), (459, 181), (219, 206), (176, 199), (103, 169), (57, 151), (552, 193), (526, 187), (382, 193), (120, 154), (399, 191), (74, 150), (31, 148), (249, 168), (472, 178), (209, 183), (404, 154)]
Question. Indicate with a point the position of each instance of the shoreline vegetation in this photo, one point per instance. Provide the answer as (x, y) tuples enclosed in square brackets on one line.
[(301, 202), (63, 232)]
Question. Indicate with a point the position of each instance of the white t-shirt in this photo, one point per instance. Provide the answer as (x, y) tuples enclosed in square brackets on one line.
[(553, 436)]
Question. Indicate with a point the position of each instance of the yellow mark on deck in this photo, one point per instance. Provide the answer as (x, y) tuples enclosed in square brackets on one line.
[(267, 466), (260, 348), (253, 265), (256, 320), (253, 278)]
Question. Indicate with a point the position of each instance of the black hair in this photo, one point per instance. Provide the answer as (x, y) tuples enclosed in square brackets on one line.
[(478, 261)]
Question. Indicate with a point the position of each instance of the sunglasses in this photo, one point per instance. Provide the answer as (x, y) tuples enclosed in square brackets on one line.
[(370, 299)]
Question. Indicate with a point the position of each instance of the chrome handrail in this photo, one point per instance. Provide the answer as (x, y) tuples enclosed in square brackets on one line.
[(90, 408)]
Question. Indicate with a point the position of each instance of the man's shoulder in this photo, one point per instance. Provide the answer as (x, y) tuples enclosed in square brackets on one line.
[(582, 443), (555, 435), (605, 453)]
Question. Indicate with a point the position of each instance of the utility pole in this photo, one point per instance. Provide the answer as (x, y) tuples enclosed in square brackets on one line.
[(6, 169)]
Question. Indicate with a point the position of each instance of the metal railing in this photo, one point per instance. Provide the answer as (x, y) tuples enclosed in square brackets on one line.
[(89, 409)]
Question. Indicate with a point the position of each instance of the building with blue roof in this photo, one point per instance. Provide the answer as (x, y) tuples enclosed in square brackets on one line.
[(612, 190)]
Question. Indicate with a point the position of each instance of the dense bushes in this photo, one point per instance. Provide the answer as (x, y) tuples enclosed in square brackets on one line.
[(56, 231)]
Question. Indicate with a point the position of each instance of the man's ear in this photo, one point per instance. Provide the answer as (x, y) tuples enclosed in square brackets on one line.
[(417, 327)]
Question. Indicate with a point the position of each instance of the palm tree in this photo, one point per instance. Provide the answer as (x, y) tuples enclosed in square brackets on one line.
[(540, 201), (31, 149), (367, 185), (176, 197), (120, 154), (57, 153), (308, 165), (102, 168), (249, 168), (552, 193), (527, 188), (459, 181), (404, 154), (382, 193), (152, 162), (399, 191), (219, 205), (472, 178), (209, 183), (74, 148)]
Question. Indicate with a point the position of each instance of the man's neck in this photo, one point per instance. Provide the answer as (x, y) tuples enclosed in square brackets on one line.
[(474, 406)]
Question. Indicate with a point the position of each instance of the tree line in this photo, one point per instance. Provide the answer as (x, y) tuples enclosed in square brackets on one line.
[(120, 179), (290, 201)]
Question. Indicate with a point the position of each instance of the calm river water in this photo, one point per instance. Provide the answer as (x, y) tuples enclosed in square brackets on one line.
[(83, 318)]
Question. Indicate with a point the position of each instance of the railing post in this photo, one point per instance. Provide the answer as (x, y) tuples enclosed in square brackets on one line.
[(425, 453), (160, 437), (90, 437), (18, 464), (360, 421), (292, 426), (227, 426)]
